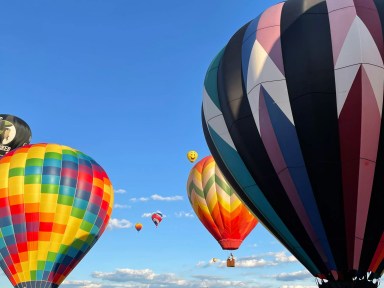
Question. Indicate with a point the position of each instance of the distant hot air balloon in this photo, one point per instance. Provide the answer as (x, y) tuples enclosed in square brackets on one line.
[(14, 132), (293, 115), (217, 206), (55, 204), (157, 217), (192, 156), (138, 226)]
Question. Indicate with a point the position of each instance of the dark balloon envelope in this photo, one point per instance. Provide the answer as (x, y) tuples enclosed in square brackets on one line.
[(292, 114), (14, 133)]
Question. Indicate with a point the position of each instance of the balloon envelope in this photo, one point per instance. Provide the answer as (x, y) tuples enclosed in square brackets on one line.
[(14, 132), (55, 204), (192, 156), (217, 206), (292, 113), (157, 218), (138, 226)]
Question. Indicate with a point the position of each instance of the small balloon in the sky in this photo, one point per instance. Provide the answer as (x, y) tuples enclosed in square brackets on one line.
[(14, 133), (192, 156), (156, 218), (138, 226)]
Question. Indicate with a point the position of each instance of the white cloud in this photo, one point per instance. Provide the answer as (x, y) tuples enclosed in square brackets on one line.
[(263, 260), (203, 264), (120, 191), (251, 263), (122, 275), (121, 206), (298, 275), (141, 199), (157, 197), (183, 214), (246, 262), (89, 284), (281, 257), (80, 284), (147, 278), (119, 224)]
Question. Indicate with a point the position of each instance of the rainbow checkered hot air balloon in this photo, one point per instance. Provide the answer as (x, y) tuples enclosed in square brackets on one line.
[(55, 202), (217, 206)]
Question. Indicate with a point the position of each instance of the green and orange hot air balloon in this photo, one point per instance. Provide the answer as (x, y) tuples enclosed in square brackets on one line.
[(55, 202), (217, 206)]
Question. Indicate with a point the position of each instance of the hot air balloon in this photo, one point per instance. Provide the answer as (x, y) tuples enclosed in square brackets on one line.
[(138, 226), (192, 156), (292, 113), (217, 206), (157, 217), (55, 204), (14, 132)]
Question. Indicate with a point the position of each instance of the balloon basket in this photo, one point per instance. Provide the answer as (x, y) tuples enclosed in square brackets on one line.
[(230, 262), (349, 284)]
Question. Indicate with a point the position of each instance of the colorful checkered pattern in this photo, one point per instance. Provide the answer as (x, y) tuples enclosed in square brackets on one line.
[(55, 202)]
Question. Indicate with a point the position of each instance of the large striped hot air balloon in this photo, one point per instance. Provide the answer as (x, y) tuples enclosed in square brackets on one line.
[(55, 202), (217, 206), (292, 113)]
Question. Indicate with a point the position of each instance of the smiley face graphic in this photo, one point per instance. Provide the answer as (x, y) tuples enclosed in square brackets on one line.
[(192, 156)]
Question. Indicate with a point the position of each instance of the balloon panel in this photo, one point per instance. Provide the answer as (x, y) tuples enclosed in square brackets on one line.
[(14, 132), (55, 204), (217, 205), (292, 113)]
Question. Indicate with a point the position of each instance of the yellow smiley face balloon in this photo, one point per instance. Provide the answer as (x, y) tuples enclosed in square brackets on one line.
[(192, 156)]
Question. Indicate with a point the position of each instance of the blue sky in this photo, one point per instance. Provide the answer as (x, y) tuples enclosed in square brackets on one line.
[(122, 81)]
